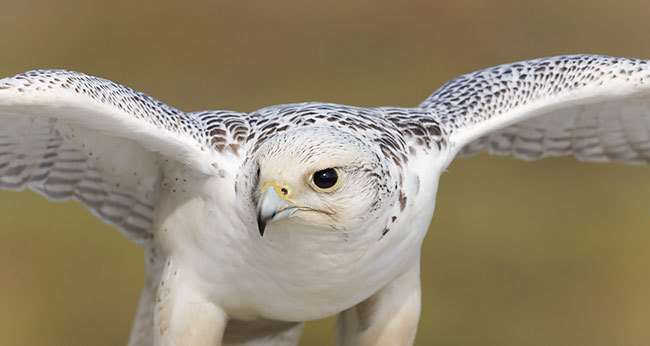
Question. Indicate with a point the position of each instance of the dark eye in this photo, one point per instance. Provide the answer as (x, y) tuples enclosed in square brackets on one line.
[(325, 178)]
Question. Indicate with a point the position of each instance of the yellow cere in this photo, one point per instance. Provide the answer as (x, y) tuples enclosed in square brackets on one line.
[(278, 189)]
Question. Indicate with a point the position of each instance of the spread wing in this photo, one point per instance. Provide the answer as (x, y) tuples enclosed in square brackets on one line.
[(594, 107), (68, 135)]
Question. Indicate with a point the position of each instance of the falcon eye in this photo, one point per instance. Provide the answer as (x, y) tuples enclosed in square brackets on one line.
[(325, 179)]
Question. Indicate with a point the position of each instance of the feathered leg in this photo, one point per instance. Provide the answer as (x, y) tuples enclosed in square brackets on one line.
[(262, 333), (389, 317), (142, 331), (182, 314)]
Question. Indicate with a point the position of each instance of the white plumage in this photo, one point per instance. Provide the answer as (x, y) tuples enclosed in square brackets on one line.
[(321, 207)]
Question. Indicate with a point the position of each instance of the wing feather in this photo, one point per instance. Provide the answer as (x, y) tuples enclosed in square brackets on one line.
[(594, 107), (67, 136)]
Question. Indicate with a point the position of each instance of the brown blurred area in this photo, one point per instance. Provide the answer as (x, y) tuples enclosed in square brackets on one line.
[(553, 252)]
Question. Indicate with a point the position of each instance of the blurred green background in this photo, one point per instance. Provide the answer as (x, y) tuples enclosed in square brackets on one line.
[(547, 253)]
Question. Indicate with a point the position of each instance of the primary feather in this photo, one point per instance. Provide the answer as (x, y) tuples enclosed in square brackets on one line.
[(594, 107)]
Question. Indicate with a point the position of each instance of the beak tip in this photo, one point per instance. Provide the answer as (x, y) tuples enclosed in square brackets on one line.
[(261, 225), (272, 207)]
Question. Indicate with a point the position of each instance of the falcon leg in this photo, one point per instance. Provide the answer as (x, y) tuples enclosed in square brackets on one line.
[(142, 331), (389, 317), (182, 315), (262, 333)]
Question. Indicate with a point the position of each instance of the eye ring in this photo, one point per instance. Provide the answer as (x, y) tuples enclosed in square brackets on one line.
[(325, 180)]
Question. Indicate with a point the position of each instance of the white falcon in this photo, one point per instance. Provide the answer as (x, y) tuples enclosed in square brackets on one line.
[(254, 223)]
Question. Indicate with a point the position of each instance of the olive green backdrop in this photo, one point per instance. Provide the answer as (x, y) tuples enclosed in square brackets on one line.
[(546, 253)]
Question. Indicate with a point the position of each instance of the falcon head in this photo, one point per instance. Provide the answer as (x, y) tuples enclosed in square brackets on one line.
[(318, 178)]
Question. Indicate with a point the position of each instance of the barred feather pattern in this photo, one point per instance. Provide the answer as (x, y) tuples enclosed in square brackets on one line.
[(552, 106), (616, 131), (116, 178), (34, 154)]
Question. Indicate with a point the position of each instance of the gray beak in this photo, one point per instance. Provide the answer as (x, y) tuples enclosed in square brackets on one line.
[(272, 207)]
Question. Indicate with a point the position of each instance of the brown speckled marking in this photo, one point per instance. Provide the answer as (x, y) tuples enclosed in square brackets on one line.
[(396, 134), (383, 233), (402, 201)]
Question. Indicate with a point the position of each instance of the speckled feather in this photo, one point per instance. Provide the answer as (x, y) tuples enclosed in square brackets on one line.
[(595, 107), (222, 132), (454, 109), (36, 154)]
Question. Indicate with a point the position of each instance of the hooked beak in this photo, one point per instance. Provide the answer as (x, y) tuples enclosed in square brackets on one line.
[(273, 206)]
